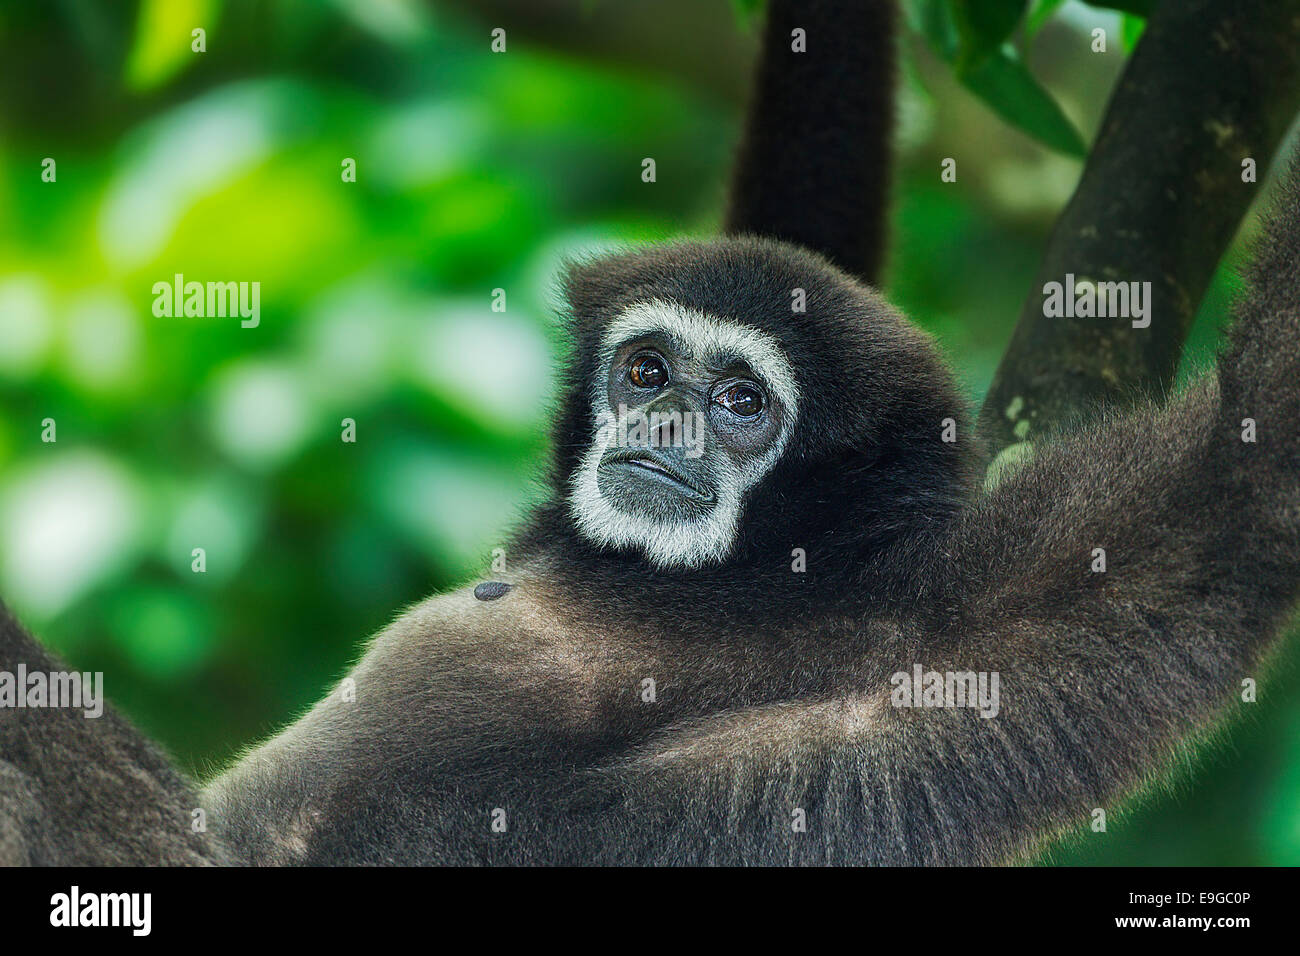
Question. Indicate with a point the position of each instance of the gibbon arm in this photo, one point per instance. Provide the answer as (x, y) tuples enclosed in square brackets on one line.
[(1100, 675), (78, 790), (1102, 672), (813, 166)]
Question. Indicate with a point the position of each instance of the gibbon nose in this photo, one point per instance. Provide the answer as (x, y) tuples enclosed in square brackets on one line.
[(671, 422)]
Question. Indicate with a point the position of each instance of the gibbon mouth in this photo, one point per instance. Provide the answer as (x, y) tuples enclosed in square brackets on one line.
[(659, 469)]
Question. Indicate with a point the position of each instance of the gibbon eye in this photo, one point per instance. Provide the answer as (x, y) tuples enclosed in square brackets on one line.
[(744, 399), (648, 371)]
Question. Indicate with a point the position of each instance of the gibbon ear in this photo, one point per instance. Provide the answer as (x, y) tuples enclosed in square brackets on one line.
[(590, 282), (597, 286)]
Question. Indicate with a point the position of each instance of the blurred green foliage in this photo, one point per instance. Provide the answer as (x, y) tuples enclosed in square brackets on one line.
[(475, 172)]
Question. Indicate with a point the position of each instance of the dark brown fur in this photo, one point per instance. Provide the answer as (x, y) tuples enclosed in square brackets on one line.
[(79, 791), (771, 687), (813, 167), (776, 698)]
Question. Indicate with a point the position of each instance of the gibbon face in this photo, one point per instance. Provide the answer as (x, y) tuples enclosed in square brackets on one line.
[(692, 410), (725, 398)]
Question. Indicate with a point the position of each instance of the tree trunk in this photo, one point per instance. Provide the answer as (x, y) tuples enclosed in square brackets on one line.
[(1211, 83)]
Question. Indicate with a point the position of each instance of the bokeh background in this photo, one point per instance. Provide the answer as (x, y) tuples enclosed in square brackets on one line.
[(475, 171)]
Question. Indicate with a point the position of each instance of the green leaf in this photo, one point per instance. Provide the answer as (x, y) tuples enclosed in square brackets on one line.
[(1139, 8), (933, 20), (999, 78), (163, 34), (984, 25), (1043, 11), (747, 11), (1131, 31), (395, 21), (1004, 83)]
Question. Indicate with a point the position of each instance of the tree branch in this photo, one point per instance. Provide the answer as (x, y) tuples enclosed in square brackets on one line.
[(1212, 82)]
